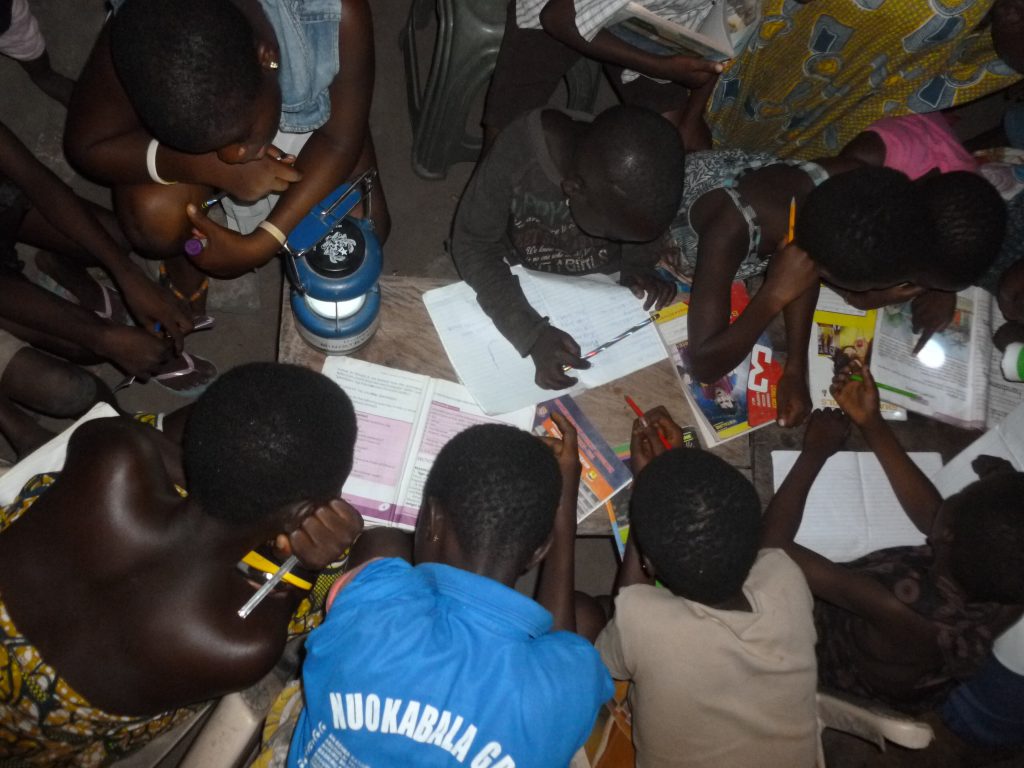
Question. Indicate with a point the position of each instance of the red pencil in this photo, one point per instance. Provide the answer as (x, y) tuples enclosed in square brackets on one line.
[(643, 420)]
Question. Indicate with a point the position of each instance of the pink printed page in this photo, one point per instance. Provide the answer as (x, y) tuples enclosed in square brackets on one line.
[(388, 403)]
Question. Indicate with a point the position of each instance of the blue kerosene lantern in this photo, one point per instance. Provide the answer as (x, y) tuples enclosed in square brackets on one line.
[(333, 262)]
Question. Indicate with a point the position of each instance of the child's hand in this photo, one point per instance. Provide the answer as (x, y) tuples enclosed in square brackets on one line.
[(690, 71), (858, 399), (985, 465), (553, 349), (646, 442), (791, 273), (133, 350), (932, 312), (826, 432), (323, 536), (567, 453), (658, 290), (1011, 293), (794, 400), (151, 304), (258, 178), (227, 253)]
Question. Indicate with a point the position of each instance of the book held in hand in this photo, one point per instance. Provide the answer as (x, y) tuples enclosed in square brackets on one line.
[(720, 35)]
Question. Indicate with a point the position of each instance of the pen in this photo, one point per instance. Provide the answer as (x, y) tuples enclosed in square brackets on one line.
[(888, 388), (643, 421), (792, 220), (625, 334), (283, 570), (209, 203)]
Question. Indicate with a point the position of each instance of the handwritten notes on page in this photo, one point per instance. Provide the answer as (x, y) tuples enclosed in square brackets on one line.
[(851, 509), (591, 309)]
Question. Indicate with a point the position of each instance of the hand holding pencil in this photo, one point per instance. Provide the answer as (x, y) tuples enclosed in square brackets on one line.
[(653, 433), (855, 390)]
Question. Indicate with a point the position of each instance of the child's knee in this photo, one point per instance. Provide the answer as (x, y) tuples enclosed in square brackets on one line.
[(50, 385), (153, 218)]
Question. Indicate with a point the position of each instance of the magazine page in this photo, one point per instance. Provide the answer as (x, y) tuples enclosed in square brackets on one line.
[(654, 33), (448, 410), (844, 333), (602, 473), (388, 404), (948, 379), (737, 403)]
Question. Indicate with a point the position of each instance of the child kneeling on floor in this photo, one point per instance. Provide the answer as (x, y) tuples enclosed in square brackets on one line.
[(720, 650), (420, 664)]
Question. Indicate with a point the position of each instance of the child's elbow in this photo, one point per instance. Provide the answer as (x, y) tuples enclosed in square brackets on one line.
[(552, 19)]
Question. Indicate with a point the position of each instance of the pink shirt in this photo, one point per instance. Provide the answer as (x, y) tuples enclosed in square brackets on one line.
[(914, 144)]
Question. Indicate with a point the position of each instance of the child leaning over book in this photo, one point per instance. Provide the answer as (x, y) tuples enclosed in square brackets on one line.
[(905, 624), (721, 655), (442, 662), (861, 231), (562, 194)]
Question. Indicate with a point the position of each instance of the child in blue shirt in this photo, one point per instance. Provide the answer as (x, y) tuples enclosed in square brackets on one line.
[(442, 663)]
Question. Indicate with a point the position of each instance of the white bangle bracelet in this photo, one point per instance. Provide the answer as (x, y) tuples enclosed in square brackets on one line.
[(151, 163), (273, 230)]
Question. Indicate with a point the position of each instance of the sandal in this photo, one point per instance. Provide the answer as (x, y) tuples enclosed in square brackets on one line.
[(192, 376), (197, 294), (114, 308)]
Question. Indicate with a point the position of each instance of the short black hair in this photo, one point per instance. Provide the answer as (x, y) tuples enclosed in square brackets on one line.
[(869, 224), (987, 557), (970, 223), (639, 157), (190, 69), (698, 520), (265, 435), (499, 488)]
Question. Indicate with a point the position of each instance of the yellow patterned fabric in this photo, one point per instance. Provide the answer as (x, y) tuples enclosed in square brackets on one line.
[(816, 75), (43, 721)]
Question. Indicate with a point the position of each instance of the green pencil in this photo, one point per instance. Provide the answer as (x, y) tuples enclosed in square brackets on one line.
[(888, 388)]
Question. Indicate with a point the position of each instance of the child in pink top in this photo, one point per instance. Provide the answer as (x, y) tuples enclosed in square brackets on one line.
[(912, 144)]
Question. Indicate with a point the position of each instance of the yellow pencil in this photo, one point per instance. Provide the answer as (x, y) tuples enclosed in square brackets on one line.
[(792, 220)]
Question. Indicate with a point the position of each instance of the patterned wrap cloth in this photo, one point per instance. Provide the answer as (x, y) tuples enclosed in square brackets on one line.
[(814, 76)]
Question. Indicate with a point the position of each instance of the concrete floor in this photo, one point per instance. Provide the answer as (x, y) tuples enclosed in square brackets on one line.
[(421, 214)]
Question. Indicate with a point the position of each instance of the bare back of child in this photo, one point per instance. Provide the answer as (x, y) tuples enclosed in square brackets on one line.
[(148, 574)]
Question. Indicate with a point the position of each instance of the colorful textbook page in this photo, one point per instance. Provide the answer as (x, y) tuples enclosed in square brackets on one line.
[(404, 420), (842, 333), (957, 376), (744, 399), (602, 473)]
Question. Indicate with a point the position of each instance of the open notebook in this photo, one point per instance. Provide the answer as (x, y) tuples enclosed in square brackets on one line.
[(851, 509)]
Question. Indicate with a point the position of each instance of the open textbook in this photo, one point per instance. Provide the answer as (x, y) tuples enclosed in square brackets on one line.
[(661, 27), (404, 420), (602, 473), (851, 509), (592, 309), (737, 403), (957, 377)]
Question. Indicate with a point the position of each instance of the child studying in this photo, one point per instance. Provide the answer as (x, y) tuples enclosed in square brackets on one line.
[(442, 662), (721, 655), (905, 624), (861, 231), (561, 193), (266, 102)]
